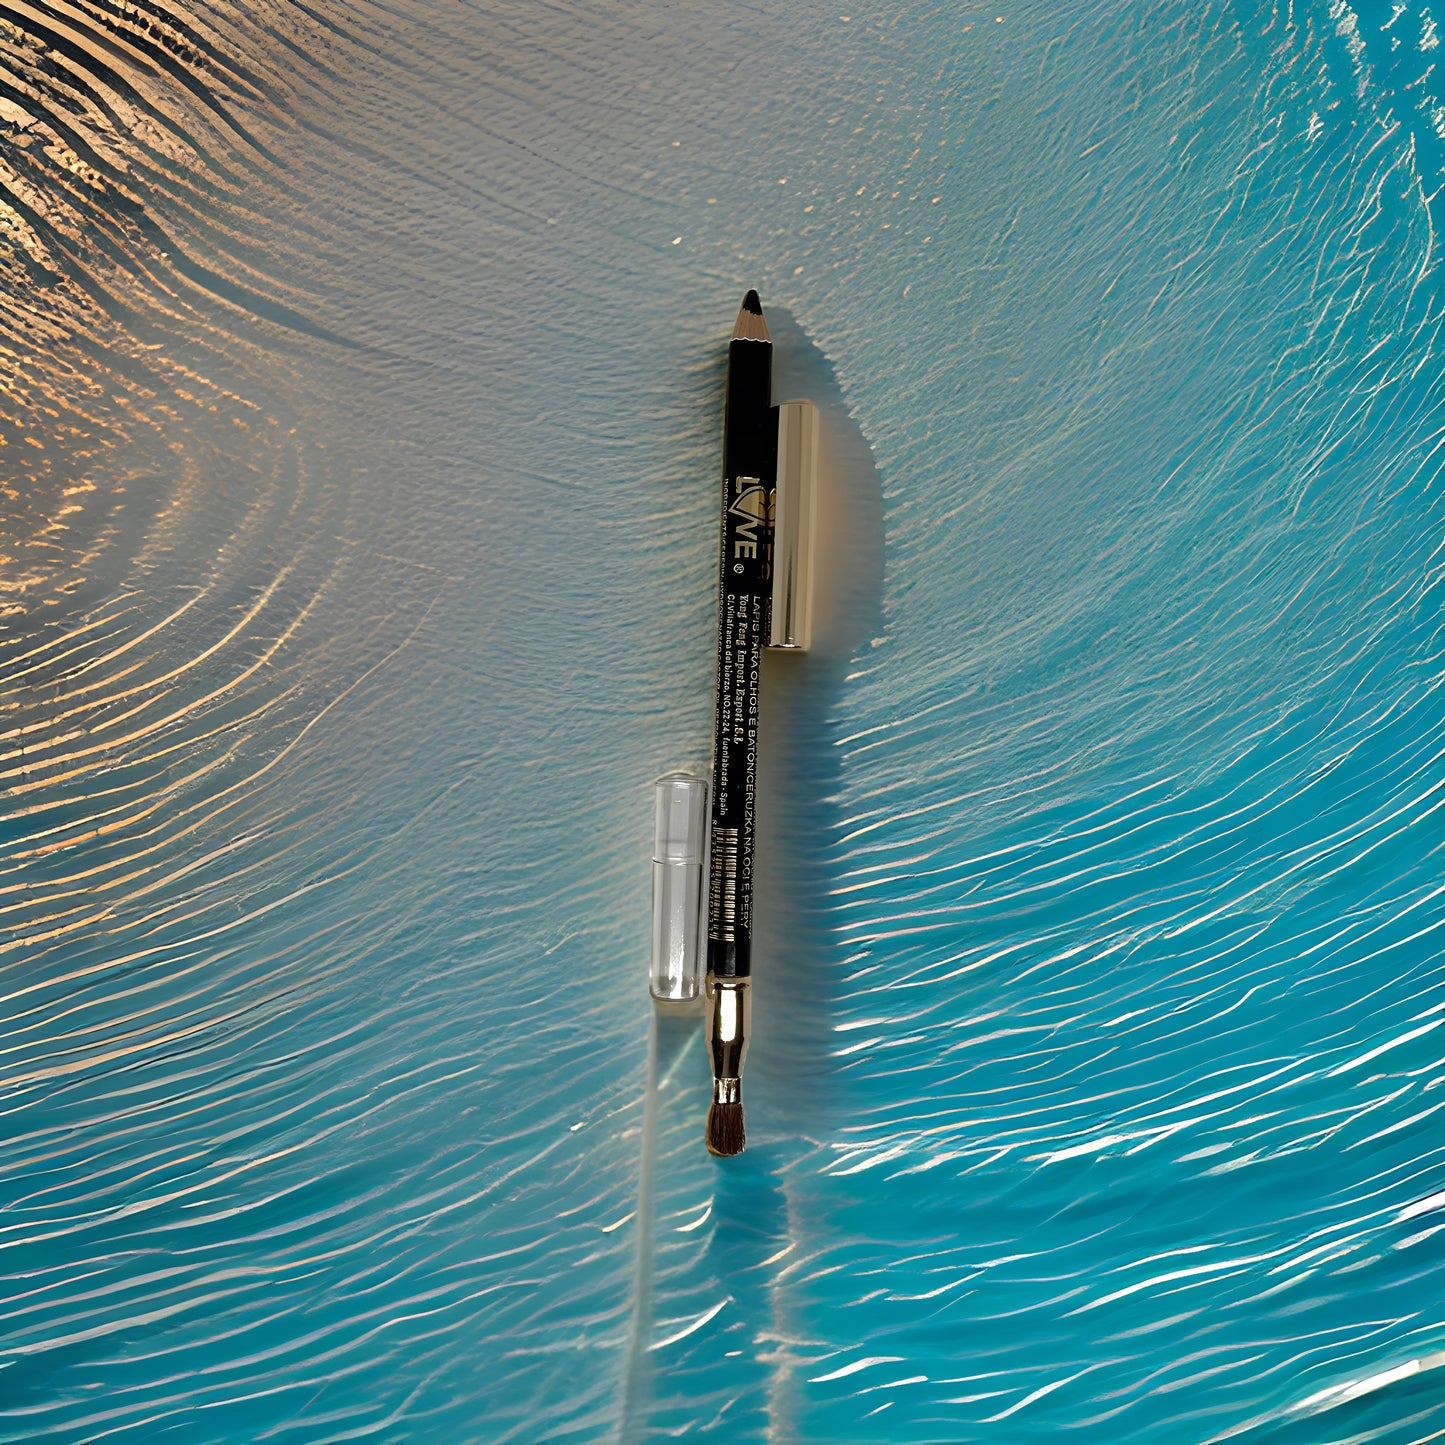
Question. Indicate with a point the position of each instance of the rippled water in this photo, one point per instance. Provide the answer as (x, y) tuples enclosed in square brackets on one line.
[(360, 441)]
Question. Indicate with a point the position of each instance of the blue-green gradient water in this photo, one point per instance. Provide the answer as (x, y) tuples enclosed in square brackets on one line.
[(357, 514)]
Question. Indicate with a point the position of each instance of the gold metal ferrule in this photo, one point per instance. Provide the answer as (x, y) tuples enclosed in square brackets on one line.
[(729, 1006)]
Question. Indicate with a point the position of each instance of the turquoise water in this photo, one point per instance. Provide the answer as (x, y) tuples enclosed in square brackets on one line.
[(360, 442)]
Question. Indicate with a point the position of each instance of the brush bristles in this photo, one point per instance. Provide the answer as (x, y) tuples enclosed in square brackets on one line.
[(725, 1135)]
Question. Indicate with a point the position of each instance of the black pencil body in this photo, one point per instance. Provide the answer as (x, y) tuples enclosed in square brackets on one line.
[(744, 598)]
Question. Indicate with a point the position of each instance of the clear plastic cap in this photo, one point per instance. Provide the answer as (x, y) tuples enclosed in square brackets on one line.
[(680, 830), (679, 855)]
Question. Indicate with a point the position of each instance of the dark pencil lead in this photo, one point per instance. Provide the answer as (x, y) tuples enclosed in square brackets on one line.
[(752, 303)]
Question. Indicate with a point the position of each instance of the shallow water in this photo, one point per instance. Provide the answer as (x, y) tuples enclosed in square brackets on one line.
[(360, 443)]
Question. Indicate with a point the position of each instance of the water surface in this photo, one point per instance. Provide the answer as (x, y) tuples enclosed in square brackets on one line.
[(360, 440)]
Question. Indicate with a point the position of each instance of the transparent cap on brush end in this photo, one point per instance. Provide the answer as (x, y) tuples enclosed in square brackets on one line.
[(679, 865)]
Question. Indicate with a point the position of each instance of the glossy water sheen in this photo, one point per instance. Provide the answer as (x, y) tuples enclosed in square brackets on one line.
[(360, 453)]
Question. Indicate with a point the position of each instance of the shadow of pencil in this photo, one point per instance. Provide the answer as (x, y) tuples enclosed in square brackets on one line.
[(793, 1086)]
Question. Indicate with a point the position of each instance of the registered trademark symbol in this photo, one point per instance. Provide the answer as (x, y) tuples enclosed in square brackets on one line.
[(737, 566)]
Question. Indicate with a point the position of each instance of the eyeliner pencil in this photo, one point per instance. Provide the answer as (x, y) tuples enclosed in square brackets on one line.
[(750, 445)]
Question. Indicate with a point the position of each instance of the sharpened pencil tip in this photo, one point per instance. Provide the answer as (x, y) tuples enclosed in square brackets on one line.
[(750, 324), (725, 1136)]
